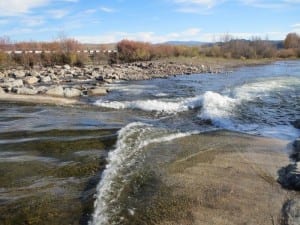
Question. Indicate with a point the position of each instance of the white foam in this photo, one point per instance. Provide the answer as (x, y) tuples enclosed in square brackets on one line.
[(265, 87), (217, 108), (167, 106), (132, 138)]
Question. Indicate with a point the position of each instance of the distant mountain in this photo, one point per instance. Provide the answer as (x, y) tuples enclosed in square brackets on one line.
[(187, 43)]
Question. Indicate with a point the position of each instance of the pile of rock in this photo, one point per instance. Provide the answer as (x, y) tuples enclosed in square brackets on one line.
[(67, 81), (289, 178)]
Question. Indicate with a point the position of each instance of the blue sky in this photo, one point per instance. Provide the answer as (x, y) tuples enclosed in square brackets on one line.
[(106, 21)]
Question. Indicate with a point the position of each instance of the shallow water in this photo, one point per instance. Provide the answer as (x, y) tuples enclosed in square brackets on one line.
[(52, 158)]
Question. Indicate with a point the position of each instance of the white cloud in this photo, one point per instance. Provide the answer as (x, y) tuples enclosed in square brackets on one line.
[(148, 36), (58, 13), (205, 3), (192, 34), (107, 10), (16, 7), (32, 21)]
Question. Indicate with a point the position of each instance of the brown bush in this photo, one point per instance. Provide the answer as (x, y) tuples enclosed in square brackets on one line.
[(286, 53)]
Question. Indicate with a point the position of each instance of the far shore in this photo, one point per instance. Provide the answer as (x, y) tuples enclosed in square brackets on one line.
[(64, 85)]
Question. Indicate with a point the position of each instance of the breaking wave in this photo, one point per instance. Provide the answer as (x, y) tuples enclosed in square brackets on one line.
[(122, 163)]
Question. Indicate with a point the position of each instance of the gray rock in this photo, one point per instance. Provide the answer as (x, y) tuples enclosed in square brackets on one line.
[(291, 212), (67, 67), (19, 74), (26, 91), (97, 91), (72, 92), (2, 91), (12, 83), (42, 89), (296, 123), (297, 145), (289, 177), (46, 79), (34, 73), (31, 80), (57, 91)]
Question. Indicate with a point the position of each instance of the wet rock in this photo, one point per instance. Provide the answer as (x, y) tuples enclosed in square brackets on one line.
[(97, 91), (31, 80), (289, 177), (26, 91), (297, 145), (72, 92), (57, 91), (296, 124), (291, 212)]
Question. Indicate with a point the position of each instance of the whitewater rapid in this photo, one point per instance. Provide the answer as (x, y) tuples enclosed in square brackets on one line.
[(122, 163)]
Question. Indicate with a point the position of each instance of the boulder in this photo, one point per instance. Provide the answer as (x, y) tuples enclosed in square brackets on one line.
[(31, 80), (12, 83), (42, 89), (57, 91), (26, 91), (67, 67), (72, 92), (19, 74), (291, 212), (34, 73), (297, 145), (46, 79), (97, 91), (2, 91), (296, 124), (289, 177)]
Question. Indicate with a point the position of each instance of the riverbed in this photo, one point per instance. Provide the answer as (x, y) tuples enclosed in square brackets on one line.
[(112, 160)]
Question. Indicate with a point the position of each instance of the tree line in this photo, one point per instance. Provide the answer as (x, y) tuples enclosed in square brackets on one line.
[(69, 51)]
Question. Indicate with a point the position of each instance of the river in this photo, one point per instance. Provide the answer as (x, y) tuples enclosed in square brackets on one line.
[(73, 165)]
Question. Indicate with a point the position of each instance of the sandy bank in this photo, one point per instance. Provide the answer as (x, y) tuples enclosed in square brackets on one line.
[(225, 178), (38, 99)]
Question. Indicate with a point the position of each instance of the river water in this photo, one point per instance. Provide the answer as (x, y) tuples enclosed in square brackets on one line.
[(72, 165)]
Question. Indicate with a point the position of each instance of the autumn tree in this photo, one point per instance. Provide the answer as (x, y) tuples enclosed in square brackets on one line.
[(292, 40)]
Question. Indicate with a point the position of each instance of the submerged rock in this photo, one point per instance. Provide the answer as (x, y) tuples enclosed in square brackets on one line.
[(296, 124), (291, 212), (289, 177)]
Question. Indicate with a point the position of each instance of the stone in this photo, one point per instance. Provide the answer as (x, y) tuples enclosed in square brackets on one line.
[(26, 91), (67, 67), (34, 73), (291, 212), (2, 91), (296, 124), (57, 91), (72, 92), (97, 91), (19, 74), (289, 177), (46, 79), (12, 83), (42, 89), (31, 80), (297, 145)]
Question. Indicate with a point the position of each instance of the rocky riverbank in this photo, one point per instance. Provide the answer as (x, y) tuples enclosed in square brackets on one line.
[(74, 82)]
